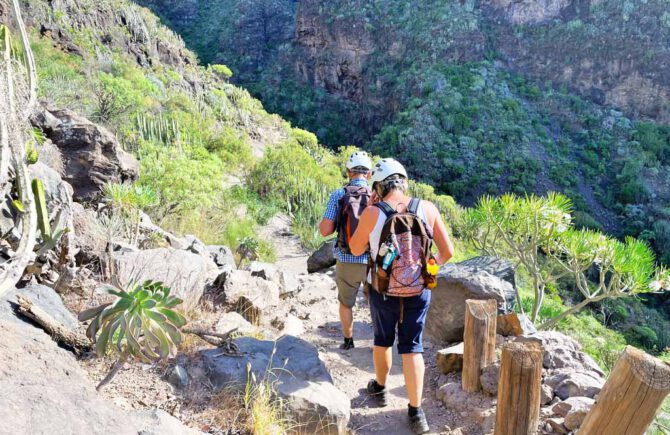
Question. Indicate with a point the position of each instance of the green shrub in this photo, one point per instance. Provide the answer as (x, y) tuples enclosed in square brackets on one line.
[(222, 71), (641, 336)]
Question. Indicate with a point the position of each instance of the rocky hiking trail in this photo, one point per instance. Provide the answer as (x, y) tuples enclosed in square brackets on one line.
[(351, 370)]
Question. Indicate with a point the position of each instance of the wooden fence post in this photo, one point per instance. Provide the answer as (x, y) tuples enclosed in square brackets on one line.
[(631, 396), (479, 340), (519, 385)]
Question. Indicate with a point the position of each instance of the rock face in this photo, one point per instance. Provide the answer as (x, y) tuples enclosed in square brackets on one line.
[(187, 274), (297, 374), (530, 11), (92, 155), (323, 258), (45, 391), (332, 57), (478, 278)]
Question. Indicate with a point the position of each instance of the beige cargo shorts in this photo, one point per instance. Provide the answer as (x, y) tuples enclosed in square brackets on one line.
[(348, 278)]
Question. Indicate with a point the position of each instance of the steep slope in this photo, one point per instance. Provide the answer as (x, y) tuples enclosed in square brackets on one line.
[(191, 130)]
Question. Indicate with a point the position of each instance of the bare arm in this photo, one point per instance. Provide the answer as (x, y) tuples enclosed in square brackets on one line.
[(359, 241), (444, 245), (326, 227)]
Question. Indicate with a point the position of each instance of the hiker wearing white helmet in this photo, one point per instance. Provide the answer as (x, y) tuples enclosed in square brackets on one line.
[(399, 231), (342, 214)]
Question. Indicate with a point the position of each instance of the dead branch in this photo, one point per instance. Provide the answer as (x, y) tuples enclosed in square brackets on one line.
[(73, 340), (223, 341)]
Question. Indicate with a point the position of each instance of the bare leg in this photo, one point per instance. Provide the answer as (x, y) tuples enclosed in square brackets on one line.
[(383, 358), (347, 320), (413, 369)]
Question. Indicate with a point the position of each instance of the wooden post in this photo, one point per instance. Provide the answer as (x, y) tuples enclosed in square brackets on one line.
[(479, 340), (631, 396), (519, 389)]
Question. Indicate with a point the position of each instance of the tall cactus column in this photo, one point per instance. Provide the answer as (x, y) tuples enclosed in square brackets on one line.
[(631, 396)]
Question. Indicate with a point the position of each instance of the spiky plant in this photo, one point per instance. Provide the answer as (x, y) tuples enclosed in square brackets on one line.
[(127, 201), (141, 324)]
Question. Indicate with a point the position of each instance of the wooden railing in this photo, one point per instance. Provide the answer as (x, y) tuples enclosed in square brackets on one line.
[(627, 404)]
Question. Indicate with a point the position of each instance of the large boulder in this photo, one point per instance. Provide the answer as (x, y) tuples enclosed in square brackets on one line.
[(478, 278), (92, 155), (43, 297), (562, 409), (322, 259), (222, 255), (297, 374), (186, 273), (575, 383), (249, 295), (563, 352)]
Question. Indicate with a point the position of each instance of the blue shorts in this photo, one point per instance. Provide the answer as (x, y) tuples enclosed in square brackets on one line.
[(385, 313)]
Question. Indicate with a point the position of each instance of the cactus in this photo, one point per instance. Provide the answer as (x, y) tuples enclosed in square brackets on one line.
[(42, 212), (18, 206), (50, 235)]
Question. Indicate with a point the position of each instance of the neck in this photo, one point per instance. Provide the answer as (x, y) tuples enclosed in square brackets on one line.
[(357, 177), (395, 196)]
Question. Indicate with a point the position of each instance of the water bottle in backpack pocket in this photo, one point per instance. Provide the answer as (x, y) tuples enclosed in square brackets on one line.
[(400, 267)]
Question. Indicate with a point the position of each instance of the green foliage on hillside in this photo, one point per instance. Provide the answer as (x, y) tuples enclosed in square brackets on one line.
[(433, 93), (188, 138)]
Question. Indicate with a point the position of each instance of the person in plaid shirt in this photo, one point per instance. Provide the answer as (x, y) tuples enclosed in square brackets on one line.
[(351, 270)]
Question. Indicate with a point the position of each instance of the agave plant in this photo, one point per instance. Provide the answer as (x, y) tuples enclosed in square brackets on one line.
[(141, 324)]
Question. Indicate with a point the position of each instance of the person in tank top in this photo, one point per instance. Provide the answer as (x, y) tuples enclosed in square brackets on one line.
[(388, 313)]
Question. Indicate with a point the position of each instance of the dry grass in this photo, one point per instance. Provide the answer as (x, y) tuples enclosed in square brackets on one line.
[(257, 411)]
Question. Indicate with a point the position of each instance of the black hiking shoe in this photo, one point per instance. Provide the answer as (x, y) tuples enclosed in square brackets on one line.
[(417, 422), (377, 392), (348, 344)]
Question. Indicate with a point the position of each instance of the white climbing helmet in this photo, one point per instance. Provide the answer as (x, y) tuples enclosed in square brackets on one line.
[(385, 168), (359, 159)]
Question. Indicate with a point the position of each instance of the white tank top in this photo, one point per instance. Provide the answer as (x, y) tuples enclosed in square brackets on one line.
[(377, 230)]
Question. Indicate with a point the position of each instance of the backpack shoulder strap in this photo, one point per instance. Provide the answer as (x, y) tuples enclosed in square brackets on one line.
[(413, 206), (385, 208)]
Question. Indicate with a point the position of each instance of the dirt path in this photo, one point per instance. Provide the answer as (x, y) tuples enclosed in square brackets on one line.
[(351, 370)]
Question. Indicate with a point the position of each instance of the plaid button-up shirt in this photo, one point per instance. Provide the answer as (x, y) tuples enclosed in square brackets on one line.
[(331, 213)]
